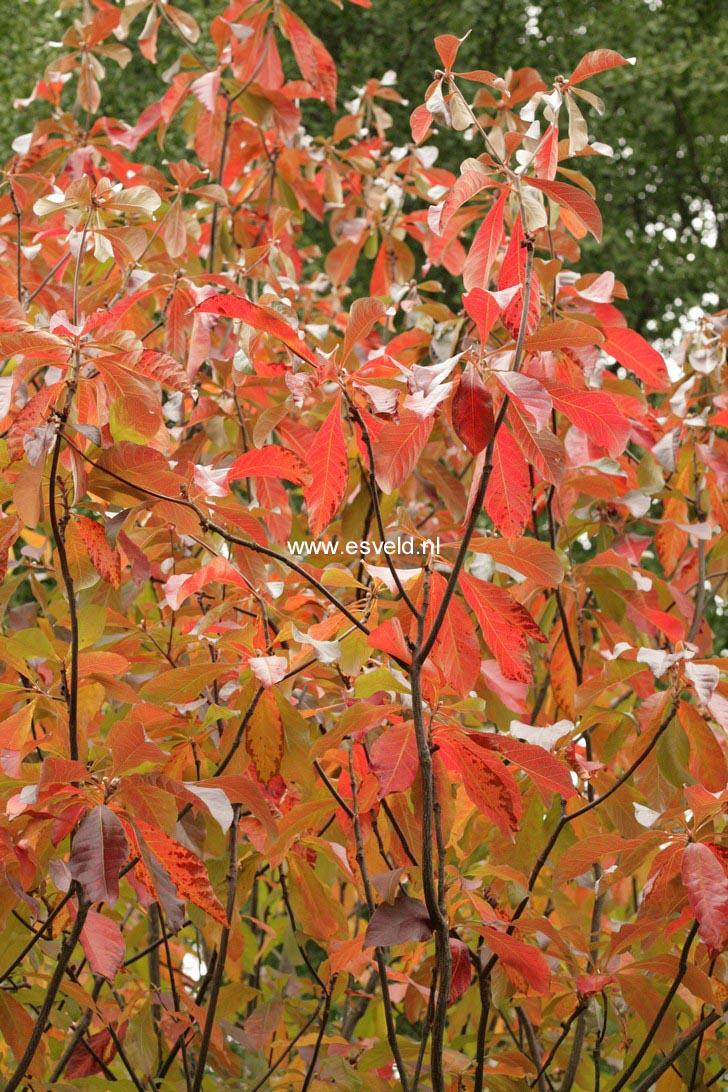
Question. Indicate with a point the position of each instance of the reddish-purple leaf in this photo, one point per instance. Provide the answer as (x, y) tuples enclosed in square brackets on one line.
[(99, 850), (406, 919), (103, 945), (472, 411), (706, 883)]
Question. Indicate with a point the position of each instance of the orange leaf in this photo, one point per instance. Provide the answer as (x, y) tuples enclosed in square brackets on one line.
[(104, 558), (186, 871), (329, 472)]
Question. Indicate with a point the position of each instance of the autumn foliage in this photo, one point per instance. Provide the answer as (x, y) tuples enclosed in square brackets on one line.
[(452, 819)]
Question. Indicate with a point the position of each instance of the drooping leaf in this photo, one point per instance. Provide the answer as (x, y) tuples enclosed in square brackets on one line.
[(264, 738), (186, 871), (398, 447), (103, 945), (329, 472), (579, 203), (456, 651), (506, 625), (104, 558), (524, 964), (394, 760), (485, 245), (508, 496), (98, 852), (706, 883), (637, 355), (472, 411), (487, 781)]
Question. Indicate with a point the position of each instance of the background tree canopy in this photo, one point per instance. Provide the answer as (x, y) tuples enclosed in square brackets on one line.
[(663, 231)]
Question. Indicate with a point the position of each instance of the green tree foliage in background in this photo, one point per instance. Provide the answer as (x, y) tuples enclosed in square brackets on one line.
[(663, 229)]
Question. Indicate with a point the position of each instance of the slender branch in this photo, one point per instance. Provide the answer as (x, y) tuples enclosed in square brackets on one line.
[(533, 1049), (682, 1045), (565, 1028), (69, 943), (282, 1057), (449, 591), (378, 952), (699, 594), (37, 935), (18, 241), (222, 952), (660, 1015), (319, 1039)]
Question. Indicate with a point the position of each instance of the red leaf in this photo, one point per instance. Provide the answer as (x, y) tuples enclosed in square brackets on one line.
[(535, 559), (472, 411), (393, 759), (103, 944), (512, 273), (525, 966), (265, 737), (405, 919), (83, 1064), (130, 749), (219, 571), (483, 309), (467, 185), (707, 887), (484, 247), (456, 651), (329, 472), (260, 318), (546, 159), (547, 773), (583, 207), (508, 496), (104, 558), (506, 626), (461, 969), (420, 123), (596, 414), (98, 853), (363, 315), (636, 355), (543, 450), (447, 46), (315, 62), (589, 984), (598, 60), (488, 783), (398, 447), (271, 461)]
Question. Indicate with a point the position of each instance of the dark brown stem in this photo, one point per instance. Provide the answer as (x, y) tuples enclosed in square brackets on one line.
[(37, 935), (69, 943), (378, 952), (659, 1017), (682, 1045), (216, 982), (439, 618)]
